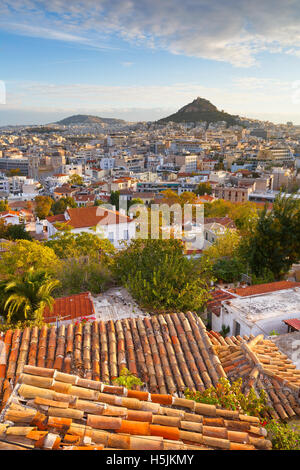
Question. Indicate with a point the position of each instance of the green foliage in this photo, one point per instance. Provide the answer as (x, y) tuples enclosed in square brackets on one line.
[(74, 245), (160, 277), (203, 188), (273, 244), (225, 246), (26, 297), (99, 202), (21, 325), (59, 207), (273, 333), (3, 206), (24, 254), (43, 206), (265, 277), (13, 172), (80, 276), (231, 397), (114, 199), (76, 180), (128, 379), (17, 232), (244, 214), (224, 331), (284, 436), (228, 270)]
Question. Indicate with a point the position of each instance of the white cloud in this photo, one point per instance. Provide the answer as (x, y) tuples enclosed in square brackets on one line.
[(234, 31)]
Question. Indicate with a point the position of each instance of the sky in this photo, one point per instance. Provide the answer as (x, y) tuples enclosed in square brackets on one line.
[(145, 59)]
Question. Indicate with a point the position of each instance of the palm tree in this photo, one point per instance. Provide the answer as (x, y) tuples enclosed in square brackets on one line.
[(27, 296)]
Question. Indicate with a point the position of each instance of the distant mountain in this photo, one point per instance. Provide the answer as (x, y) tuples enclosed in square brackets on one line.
[(88, 119), (200, 110)]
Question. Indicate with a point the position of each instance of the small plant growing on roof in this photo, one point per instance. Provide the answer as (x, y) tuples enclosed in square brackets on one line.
[(284, 436), (128, 379), (273, 333), (224, 330), (230, 396), (84, 320)]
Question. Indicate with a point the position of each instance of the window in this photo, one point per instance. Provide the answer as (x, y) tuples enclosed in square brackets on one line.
[(111, 237), (126, 235), (236, 328)]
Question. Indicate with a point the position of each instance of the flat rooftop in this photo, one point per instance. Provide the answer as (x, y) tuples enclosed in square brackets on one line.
[(284, 303)]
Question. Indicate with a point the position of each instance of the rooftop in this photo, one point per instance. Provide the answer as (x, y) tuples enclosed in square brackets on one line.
[(269, 305), (261, 365), (167, 352), (58, 411), (71, 307)]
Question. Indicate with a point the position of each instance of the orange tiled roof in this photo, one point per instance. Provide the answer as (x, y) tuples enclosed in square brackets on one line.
[(56, 218), (168, 352), (93, 215), (53, 410), (264, 288), (218, 296), (70, 308), (261, 365)]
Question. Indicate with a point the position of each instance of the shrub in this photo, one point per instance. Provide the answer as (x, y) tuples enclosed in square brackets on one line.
[(230, 396), (79, 276), (283, 436), (128, 379), (160, 277)]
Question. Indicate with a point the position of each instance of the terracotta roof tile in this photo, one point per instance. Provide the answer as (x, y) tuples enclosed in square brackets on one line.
[(70, 307), (262, 366), (109, 417), (264, 288)]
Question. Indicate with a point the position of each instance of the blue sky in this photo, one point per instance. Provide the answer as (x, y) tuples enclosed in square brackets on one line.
[(144, 59)]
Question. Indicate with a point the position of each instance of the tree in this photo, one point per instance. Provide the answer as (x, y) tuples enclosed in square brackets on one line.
[(225, 246), (135, 201), (27, 296), (228, 269), (43, 206), (14, 172), (244, 215), (217, 208), (59, 207), (99, 202), (76, 180), (3, 206), (114, 199), (24, 254), (170, 198), (77, 275), (203, 188), (66, 244), (160, 277), (273, 244), (17, 232)]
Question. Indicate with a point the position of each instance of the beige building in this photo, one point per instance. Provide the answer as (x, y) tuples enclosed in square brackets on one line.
[(233, 193)]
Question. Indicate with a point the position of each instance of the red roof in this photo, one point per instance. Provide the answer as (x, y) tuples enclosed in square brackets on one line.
[(294, 323), (218, 296), (91, 216), (56, 218), (69, 308), (264, 288)]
